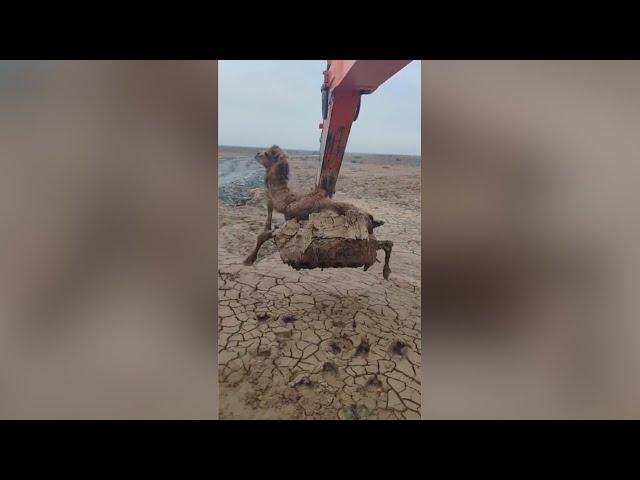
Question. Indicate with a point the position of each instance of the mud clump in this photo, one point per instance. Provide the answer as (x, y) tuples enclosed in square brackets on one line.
[(329, 240)]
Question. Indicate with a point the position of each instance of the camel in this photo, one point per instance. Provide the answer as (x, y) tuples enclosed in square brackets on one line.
[(299, 206)]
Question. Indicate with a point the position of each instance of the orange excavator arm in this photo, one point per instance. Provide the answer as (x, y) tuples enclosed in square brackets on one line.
[(345, 81)]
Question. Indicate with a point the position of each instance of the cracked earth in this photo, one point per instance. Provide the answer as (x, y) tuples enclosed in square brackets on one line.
[(332, 344)]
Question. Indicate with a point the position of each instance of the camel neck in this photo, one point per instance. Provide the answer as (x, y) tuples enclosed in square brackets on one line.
[(276, 185)]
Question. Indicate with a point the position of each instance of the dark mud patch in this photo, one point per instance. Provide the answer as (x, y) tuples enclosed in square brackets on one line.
[(398, 348)]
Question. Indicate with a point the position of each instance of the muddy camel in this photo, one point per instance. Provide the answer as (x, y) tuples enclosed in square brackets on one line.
[(299, 206)]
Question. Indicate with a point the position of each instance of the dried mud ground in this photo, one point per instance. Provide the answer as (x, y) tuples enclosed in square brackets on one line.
[(332, 344)]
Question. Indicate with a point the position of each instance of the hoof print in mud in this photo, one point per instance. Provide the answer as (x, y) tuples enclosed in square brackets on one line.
[(289, 318), (335, 348), (363, 348), (329, 367), (374, 383), (398, 348)]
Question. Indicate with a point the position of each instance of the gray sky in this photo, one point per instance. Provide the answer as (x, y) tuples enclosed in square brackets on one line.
[(262, 102)]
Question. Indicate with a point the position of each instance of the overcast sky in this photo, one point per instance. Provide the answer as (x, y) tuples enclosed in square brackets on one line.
[(262, 102)]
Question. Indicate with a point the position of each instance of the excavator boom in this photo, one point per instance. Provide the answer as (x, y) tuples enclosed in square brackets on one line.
[(345, 81)]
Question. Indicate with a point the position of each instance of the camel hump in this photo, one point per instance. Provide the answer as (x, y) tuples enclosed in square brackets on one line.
[(277, 153)]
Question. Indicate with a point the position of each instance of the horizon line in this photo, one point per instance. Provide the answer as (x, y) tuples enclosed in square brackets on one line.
[(318, 151)]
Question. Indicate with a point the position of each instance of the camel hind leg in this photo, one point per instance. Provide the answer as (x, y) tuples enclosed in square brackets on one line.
[(263, 237), (386, 245)]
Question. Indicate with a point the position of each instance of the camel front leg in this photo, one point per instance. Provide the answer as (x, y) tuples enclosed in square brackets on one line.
[(263, 237), (267, 225)]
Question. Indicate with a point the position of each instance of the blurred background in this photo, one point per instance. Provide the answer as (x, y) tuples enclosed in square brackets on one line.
[(530, 264), (108, 278)]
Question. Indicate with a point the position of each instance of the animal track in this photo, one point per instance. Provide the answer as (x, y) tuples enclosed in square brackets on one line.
[(398, 347), (289, 318), (329, 367), (363, 348), (374, 382)]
